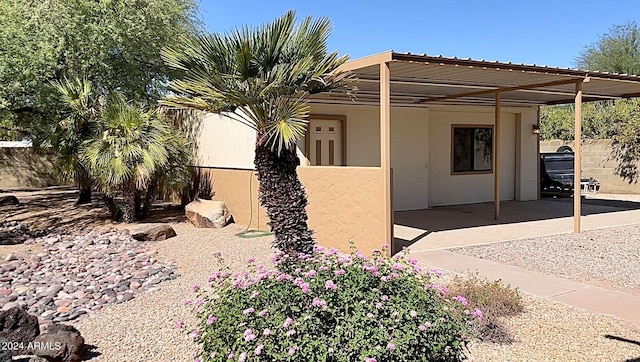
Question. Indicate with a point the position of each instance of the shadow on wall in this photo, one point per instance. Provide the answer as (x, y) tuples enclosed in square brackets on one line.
[(24, 167), (626, 156)]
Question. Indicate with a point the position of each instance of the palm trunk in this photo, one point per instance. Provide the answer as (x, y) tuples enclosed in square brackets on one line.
[(282, 195), (129, 203), (84, 186)]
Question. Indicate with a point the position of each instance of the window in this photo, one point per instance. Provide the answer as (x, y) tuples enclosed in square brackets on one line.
[(472, 149)]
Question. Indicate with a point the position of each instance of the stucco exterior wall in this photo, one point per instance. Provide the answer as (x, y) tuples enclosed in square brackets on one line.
[(597, 162), (225, 142), (448, 189), (527, 158), (24, 168), (409, 148), (343, 203)]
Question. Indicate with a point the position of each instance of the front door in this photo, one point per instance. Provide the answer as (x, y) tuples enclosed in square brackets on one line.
[(325, 142)]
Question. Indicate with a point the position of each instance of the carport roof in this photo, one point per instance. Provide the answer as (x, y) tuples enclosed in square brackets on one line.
[(423, 80)]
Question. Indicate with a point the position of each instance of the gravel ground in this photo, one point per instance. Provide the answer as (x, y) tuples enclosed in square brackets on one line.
[(552, 331), (144, 329), (605, 257)]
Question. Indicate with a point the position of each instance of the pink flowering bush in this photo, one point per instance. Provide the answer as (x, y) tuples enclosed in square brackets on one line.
[(331, 307)]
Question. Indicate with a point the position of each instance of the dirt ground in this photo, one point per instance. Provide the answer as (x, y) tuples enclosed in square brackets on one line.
[(54, 210)]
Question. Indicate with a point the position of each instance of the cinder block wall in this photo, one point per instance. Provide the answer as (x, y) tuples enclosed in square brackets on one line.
[(597, 162), (21, 167)]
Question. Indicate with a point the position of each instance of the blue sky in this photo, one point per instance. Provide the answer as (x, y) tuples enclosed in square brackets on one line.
[(542, 32)]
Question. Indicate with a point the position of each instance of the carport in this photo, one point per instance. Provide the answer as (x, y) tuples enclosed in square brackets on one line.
[(393, 79)]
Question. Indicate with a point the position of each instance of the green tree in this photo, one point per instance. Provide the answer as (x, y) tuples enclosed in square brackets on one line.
[(265, 75), (617, 51), (134, 154), (115, 44)]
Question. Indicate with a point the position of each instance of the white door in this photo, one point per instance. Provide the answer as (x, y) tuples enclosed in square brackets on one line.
[(325, 142)]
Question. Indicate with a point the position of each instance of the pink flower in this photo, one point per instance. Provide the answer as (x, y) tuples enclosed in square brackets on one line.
[(195, 334), (248, 311), (287, 322), (249, 337), (305, 288), (180, 325), (217, 254), (293, 350), (254, 294), (242, 357), (478, 313), (330, 285), (211, 320), (282, 277), (370, 315), (370, 359), (251, 260), (187, 301), (413, 314), (263, 313), (397, 266), (324, 268), (391, 346), (422, 327), (385, 297), (360, 255), (462, 300), (195, 287), (310, 274), (259, 349), (412, 261), (339, 272), (378, 305), (266, 332), (290, 332), (231, 355)]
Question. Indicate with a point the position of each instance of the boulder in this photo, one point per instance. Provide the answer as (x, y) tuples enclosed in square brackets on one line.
[(8, 200), (153, 233), (208, 213), (59, 343), (16, 325)]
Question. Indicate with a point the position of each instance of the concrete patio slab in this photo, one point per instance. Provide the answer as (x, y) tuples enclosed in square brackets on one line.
[(465, 225)]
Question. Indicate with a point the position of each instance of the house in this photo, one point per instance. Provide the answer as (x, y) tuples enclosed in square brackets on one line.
[(423, 131)]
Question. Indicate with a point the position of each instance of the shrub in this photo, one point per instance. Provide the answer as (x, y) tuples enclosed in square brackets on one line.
[(496, 302), (331, 307)]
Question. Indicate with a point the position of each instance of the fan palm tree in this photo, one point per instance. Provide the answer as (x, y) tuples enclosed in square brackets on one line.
[(136, 147), (263, 77), (77, 124)]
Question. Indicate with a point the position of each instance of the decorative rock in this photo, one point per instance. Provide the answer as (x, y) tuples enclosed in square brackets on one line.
[(67, 337), (16, 325), (208, 213), (9, 200), (153, 233)]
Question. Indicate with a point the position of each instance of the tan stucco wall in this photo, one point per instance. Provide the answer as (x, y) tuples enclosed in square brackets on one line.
[(343, 203), (597, 162), (409, 148), (23, 168), (236, 188), (447, 189)]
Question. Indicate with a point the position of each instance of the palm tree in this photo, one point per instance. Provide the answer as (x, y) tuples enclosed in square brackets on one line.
[(77, 124), (135, 150), (263, 77)]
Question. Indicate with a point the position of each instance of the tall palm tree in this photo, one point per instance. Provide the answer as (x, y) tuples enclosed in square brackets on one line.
[(77, 124), (263, 77), (136, 147)]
